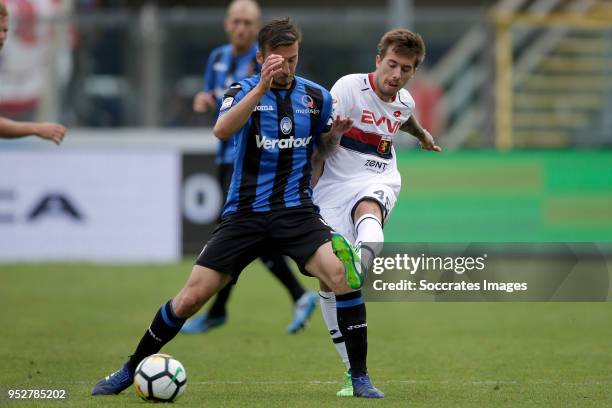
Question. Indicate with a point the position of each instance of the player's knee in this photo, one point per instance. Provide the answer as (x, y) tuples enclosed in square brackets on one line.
[(188, 302), (337, 280)]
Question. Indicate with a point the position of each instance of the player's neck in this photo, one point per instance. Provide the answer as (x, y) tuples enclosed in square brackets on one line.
[(384, 98), (237, 52), (283, 87)]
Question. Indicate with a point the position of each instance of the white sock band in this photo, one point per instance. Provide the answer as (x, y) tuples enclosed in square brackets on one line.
[(327, 300)]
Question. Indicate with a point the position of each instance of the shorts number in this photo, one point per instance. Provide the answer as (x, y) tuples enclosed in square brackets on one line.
[(383, 199)]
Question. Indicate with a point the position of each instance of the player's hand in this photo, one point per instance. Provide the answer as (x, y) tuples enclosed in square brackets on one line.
[(271, 66), (203, 102), (51, 131), (341, 125), (428, 142)]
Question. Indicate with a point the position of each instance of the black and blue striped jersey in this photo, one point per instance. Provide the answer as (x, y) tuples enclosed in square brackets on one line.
[(272, 168), (223, 69)]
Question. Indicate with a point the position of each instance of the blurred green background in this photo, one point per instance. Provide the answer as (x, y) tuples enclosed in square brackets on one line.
[(492, 196)]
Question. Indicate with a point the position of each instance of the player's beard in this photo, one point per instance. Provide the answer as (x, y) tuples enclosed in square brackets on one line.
[(282, 82)]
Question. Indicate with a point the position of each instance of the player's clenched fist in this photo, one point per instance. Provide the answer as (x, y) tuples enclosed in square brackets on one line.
[(51, 131), (271, 66)]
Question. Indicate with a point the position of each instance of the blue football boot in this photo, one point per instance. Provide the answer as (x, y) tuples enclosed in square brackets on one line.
[(302, 311), (362, 387), (202, 324), (114, 383)]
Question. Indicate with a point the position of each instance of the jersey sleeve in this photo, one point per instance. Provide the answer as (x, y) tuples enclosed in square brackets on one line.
[(341, 98), (232, 96), (327, 113)]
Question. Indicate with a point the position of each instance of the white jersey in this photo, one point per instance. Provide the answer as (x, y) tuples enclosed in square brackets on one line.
[(364, 163)]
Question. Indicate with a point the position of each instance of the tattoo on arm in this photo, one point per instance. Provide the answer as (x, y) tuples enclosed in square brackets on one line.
[(327, 144), (413, 127)]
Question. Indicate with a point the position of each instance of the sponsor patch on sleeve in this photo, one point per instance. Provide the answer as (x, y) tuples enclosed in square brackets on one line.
[(227, 103)]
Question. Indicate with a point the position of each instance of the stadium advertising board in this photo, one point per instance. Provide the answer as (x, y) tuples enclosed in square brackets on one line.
[(99, 205), (201, 200)]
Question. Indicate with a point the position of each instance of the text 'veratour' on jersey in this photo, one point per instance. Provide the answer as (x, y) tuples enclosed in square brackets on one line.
[(366, 154), (272, 168)]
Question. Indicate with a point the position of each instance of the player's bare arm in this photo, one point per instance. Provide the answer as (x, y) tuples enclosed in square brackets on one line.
[(235, 118), (10, 129), (427, 141), (331, 139), (329, 142)]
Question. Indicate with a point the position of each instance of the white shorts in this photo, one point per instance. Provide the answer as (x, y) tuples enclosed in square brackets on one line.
[(340, 217)]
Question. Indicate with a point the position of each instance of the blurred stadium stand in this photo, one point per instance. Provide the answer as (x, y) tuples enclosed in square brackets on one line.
[(520, 73), (513, 74)]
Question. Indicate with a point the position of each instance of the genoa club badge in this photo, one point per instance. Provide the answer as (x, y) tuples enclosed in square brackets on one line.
[(384, 146)]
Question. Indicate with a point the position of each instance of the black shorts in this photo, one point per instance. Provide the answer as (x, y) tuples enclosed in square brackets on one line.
[(240, 238)]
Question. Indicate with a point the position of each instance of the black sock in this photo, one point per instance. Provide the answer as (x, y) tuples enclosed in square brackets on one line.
[(218, 307), (351, 313), (278, 266), (163, 328)]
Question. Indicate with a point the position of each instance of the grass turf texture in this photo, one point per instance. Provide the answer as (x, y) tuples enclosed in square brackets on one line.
[(68, 325)]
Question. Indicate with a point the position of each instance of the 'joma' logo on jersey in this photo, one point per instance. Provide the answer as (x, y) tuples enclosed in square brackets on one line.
[(287, 143), (264, 108)]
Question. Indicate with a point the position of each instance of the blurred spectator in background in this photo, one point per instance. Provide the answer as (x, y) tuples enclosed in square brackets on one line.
[(429, 98), (37, 62), (3, 24), (10, 129)]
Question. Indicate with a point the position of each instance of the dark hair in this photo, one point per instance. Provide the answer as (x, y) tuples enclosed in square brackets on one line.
[(279, 32), (402, 42), (3, 11)]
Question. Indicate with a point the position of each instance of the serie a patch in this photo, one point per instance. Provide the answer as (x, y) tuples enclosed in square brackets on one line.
[(227, 103)]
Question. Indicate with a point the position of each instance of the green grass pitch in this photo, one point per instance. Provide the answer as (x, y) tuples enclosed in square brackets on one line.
[(68, 325)]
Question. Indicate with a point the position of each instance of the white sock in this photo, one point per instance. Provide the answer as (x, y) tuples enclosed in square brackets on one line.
[(371, 237), (327, 300)]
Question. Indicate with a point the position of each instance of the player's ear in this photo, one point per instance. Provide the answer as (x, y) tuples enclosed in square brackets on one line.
[(259, 57), (378, 60)]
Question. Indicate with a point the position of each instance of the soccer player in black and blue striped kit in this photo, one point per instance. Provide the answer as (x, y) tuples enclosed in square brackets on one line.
[(226, 65), (279, 121)]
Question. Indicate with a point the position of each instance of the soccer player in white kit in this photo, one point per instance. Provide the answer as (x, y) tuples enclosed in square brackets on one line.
[(360, 183)]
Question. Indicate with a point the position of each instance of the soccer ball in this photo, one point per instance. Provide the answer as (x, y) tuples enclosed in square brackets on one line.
[(160, 378)]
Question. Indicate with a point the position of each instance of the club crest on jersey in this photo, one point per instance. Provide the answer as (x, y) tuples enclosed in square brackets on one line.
[(286, 125), (384, 146)]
